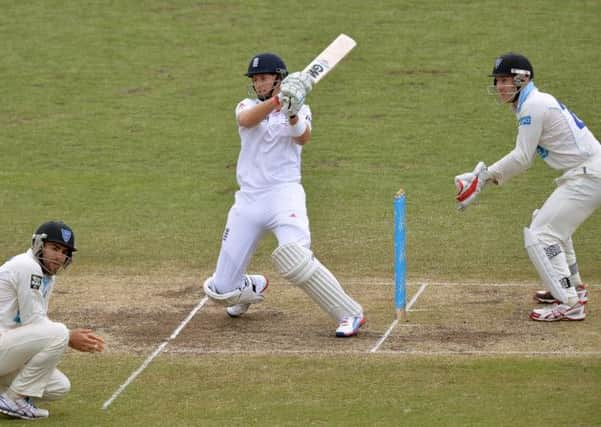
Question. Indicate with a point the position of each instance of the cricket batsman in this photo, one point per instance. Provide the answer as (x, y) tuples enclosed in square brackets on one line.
[(274, 123)]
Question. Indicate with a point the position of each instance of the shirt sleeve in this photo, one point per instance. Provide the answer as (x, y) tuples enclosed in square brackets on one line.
[(32, 305), (530, 128), (242, 105)]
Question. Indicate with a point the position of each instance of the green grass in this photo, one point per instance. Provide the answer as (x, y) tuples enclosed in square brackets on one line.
[(382, 390), (118, 118)]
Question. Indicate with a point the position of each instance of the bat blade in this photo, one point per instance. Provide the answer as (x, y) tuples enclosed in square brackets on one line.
[(330, 57)]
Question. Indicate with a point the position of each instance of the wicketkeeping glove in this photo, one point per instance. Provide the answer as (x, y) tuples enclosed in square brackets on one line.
[(470, 184)]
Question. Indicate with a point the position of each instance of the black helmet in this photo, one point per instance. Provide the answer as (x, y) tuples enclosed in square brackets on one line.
[(267, 63), (512, 64), (57, 232)]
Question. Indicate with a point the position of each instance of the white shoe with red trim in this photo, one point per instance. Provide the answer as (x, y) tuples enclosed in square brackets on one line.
[(349, 326), (559, 312)]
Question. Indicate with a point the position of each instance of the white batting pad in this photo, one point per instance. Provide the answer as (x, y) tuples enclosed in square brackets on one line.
[(298, 265), (245, 295), (550, 265)]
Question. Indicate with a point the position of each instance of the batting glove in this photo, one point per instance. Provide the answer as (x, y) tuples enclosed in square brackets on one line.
[(303, 78), (289, 105)]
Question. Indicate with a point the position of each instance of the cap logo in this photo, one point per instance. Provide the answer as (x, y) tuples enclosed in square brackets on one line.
[(66, 234), (498, 62), (255, 62)]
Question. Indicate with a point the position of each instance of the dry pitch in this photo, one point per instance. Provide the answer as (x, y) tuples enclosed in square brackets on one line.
[(137, 313)]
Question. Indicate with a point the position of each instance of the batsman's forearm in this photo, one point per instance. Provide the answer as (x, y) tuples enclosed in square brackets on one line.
[(299, 129), (254, 115)]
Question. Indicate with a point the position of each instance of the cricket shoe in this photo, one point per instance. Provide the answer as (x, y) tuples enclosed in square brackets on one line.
[(21, 408), (259, 284), (545, 297), (349, 326), (559, 312)]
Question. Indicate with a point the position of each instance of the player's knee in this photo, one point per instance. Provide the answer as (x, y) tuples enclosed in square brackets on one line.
[(58, 388), (545, 235), (305, 243), (60, 334), (295, 262)]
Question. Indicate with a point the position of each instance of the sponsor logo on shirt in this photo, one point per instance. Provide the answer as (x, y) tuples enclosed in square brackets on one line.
[(526, 120), (36, 282)]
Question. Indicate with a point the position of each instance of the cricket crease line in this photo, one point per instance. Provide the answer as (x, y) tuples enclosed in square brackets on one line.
[(396, 321), (158, 350), (443, 353), (477, 284)]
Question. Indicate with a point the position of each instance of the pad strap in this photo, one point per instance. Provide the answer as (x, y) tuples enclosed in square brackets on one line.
[(244, 295)]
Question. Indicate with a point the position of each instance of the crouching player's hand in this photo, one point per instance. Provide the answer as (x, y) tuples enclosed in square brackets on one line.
[(85, 340)]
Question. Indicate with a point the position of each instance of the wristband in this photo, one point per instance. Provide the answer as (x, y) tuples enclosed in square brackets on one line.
[(299, 128)]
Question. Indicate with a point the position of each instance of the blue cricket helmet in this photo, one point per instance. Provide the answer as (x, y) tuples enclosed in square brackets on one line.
[(58, 232), (267, 63)]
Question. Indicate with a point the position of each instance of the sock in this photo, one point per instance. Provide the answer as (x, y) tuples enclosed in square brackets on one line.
[(575, 275)]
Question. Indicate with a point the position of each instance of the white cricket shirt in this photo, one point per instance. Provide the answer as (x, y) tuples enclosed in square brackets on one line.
[(548, 128), (24, 292), (268, 155)]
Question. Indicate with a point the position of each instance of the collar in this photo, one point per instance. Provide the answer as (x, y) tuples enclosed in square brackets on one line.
[(38, 262), (524, 94)]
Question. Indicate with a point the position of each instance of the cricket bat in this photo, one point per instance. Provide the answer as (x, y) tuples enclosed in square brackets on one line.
[(330, 57)]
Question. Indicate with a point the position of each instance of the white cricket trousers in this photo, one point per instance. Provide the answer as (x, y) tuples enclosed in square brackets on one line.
[(575, 199), (28, 358), (280, 210)]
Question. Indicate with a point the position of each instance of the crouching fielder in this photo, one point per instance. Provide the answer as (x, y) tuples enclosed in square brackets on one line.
[(31, 345), (548, 128), (274, 124)]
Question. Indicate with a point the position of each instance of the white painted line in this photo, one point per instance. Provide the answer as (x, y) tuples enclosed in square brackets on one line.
[(396, 321), (562, 353), (525, 285), (159, 349), (400, 353)]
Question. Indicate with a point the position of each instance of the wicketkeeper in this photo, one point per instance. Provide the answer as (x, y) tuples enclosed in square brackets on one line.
[(546, 128), (274, 123)]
